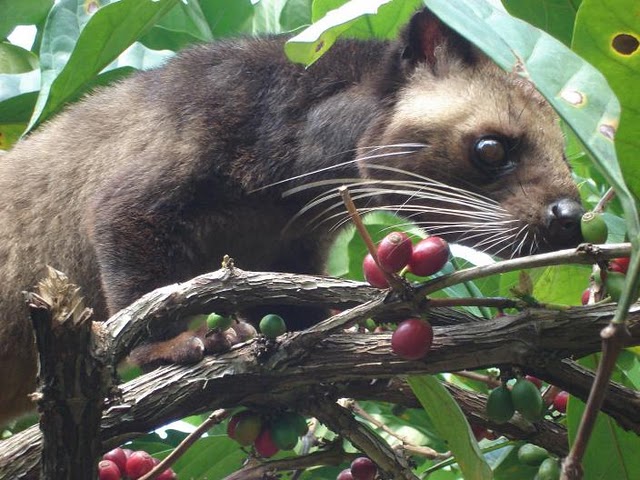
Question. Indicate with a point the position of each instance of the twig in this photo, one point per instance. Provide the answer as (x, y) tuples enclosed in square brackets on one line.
[(585, 254), (488, 380), (213, 419), (394, 281), (426, 452), (614, 338), (605, 200)]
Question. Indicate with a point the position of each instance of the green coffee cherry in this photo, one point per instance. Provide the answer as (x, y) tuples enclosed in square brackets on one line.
[(298, 421), (272, 326), (500, 407), (549, 470), (531, 454), (527, 399), (215, 321), (615, 284), (593, 227), (284, 433)]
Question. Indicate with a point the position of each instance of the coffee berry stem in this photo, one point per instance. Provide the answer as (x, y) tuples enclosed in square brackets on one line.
[(393, 280), (213, 419)]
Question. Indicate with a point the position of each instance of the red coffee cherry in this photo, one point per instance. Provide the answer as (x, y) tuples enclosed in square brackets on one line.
[(362, 468), (264, 444), (373, 274), (585, 296), (429, 256), (412, 339), (394, 251), (117, 456), (139, 464), (345, 475), (108, 470), (560, 401), (620, 264)]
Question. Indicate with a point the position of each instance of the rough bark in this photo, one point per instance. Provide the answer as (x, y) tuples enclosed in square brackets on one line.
[(326, 362)]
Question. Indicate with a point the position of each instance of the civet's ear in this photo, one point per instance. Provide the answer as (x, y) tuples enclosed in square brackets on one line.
[(426, 35)]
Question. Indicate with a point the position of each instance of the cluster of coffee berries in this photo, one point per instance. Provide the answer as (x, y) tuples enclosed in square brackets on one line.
[(395, 252), (523, 396), (267, 436), (362, 468), (272, 326), (613, 279), (412, 339), (123, 464), (535, 456)]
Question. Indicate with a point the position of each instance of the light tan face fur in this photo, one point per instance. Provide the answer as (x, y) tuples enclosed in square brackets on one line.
[(448, 111)]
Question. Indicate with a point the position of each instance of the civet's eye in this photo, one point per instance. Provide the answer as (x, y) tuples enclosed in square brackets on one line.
[(491, 154)]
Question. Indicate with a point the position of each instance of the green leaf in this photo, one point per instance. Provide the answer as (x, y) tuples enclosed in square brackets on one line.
[(21, 12), (597, 26), (12, 85), (266, 18), (182, 25), (562, 285), (18, 93), (211, 457), (311, 43), (612, 451), (77, 45), (295, 13), (451, 425), (597, 35), (385, 24), (227, 18), (14, 59), (555, 17)]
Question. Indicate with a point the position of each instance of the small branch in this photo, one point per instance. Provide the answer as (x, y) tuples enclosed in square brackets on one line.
[(585, 254), (357, 222), (614, 338), (488, 380), (605, 200), (213, 419), (339, 419), (406, 444), (257, 469)]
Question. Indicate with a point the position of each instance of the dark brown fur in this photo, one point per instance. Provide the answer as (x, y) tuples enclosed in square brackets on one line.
[(153, 180)]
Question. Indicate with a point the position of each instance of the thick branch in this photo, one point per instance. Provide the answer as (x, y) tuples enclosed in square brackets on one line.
[(298, 370), (73, 382)]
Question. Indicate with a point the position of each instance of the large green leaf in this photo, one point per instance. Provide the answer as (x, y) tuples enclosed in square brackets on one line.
[(385, 24), (295, 14), (14, 59), (452, 426), (184, 24), (598, 26), (612, 452), (555, 17), (227, 18), (21, 12), (311, 43), (562, 285), (77, 44)]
